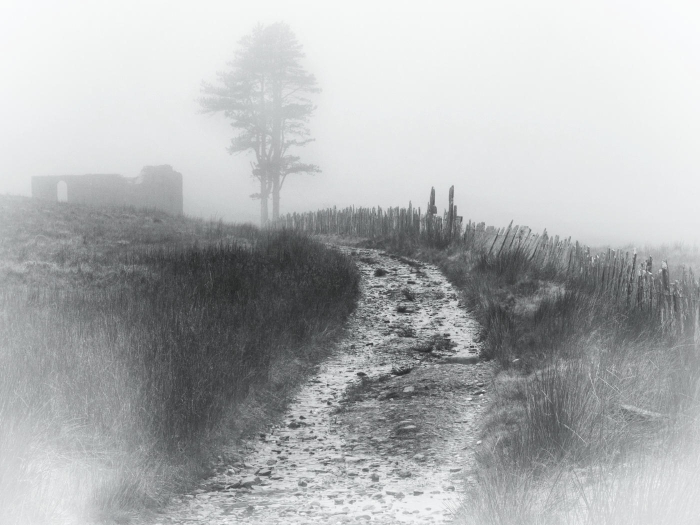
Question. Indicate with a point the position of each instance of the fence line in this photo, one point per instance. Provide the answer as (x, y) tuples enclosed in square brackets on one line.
[(622, 278)]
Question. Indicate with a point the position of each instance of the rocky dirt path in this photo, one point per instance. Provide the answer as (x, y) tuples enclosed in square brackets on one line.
[(381, 434)]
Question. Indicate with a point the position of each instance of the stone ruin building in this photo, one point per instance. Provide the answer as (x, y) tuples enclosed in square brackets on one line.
[(158, 187)]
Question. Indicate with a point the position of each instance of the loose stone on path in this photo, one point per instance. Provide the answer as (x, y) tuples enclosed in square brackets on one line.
[(382, 433)]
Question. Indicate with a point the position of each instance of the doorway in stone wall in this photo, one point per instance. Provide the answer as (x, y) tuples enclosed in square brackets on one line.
[(62, 191)]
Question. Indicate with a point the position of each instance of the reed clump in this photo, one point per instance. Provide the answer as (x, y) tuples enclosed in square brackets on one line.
[(591, 394), (595, 401), (594, 412), (121, 361)]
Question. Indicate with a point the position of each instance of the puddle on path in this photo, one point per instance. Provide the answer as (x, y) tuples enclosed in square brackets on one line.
[(360, 444)]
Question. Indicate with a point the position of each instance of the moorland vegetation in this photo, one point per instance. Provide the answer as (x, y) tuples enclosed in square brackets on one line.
[(594, 409), (133, 342)]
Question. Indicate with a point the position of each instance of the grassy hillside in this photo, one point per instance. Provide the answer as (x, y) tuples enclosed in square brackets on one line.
[(131, 341), (594, 413)]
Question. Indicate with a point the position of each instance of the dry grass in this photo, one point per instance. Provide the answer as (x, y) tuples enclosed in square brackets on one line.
[(557, 444), (558, 447), (131, 341)]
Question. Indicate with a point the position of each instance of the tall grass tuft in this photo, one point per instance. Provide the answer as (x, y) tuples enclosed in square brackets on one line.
[(508, 265), (111, 392), (594, 409)]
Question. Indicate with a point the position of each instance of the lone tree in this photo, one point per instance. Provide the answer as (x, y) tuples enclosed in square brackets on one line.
[(264, 96)]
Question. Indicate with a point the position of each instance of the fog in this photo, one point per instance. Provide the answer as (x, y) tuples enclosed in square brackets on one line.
[(581, 117)]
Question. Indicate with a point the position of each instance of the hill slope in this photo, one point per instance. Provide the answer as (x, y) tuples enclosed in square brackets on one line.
[(131, 340)]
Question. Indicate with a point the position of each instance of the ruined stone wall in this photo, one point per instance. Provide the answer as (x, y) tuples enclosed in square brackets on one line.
[(157, 187)]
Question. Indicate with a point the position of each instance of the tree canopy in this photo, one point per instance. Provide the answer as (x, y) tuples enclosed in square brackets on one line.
[(264, 95)]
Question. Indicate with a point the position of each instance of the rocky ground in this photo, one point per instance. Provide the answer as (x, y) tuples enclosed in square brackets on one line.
[(383, 433)]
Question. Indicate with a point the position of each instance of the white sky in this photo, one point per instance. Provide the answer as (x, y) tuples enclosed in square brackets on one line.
[(582, 117)]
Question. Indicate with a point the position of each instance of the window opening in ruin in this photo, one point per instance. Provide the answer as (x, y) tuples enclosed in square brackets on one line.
[(62, 191)]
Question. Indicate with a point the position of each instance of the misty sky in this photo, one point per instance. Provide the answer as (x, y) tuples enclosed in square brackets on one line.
[(582, 117)]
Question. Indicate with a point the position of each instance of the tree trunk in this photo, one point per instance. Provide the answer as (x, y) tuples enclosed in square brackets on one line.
[(262, 158), (275, 197), (263, 202), (276, 145)]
